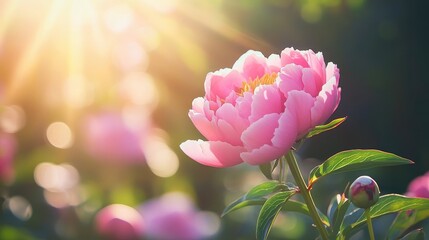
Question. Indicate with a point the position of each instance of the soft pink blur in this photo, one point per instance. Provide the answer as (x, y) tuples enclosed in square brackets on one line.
[(174, 217), (7, 154), (119, 222), (419, 187), (257, 110), (108, 137)]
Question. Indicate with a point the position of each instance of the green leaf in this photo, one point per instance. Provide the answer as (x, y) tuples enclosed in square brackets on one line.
[(404, 220), (342, 205), (269, 212), (323, 128), (417, 234), (390, 203), (299, 207), (256, 196), (358, 159)]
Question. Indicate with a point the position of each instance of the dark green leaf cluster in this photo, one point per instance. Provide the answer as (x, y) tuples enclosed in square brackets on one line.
[(343, 219)]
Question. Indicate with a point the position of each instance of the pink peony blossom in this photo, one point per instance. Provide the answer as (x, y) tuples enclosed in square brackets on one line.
[(119, 222), (7, 154), (108, 137), (419, 187), (257, 110)]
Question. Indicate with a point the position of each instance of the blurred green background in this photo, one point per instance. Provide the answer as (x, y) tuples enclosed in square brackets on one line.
[(64, 62)]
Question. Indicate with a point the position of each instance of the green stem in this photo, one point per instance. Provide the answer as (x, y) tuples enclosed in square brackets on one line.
[(283, 170), (369, 222), (296, 173)]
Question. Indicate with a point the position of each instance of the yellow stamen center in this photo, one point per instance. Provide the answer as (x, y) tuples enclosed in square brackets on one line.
[(267, 79)]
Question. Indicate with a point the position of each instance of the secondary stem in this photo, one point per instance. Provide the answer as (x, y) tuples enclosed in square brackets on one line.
[(296, 173), (369, 222)]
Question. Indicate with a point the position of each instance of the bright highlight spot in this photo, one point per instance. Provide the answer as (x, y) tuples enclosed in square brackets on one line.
[(61, 184), (118, 18), (161, 160), (73, 197), (20, 207), (56, 178), (59, 135), (12, 118)]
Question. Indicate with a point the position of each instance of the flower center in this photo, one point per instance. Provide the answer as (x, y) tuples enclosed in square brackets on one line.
[(267, 79)]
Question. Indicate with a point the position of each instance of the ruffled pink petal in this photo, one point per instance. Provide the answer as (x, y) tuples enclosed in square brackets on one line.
[(273, 62), (316, 63), (260, 132), (229, 134), (252, 65), (332, 71), (266, 99), (204, 126), (264, 154), (290, 55), (218, 129), (213, 153), (221, 83), (326, 102), (312, 82), (286, 134), (290, 78), (244, 105), (198, 104), (299, 104), (231, 115)]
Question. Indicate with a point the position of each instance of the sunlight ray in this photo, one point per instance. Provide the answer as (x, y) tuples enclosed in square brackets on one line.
[(6, 15), (27, 61), (216, 22)]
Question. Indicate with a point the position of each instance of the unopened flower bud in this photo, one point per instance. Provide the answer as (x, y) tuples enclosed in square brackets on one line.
[(364, 192)]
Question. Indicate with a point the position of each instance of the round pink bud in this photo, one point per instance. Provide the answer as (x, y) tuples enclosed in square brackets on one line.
[(364, 192)]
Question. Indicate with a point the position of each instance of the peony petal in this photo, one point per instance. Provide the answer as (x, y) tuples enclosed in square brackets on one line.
[(286, 134), (264, 154), (231, 115), (290, 55), (252, 65), (260, 132), (290, 78), (198, 104), (228, 133), (332, 71), (266, 99), (299, 103), (326, 102), (206, 127), (316, 62), (213, 153), (244, 105), (220, 84), (312, 82), (273, 62)]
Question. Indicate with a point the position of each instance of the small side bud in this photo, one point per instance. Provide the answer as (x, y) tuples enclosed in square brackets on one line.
[(364, 192)]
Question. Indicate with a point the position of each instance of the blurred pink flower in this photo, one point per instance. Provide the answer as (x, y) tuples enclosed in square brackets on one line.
[(108, 137), (173, 216), (256, 111), (7, 154), (419, 187), (119, 222)]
